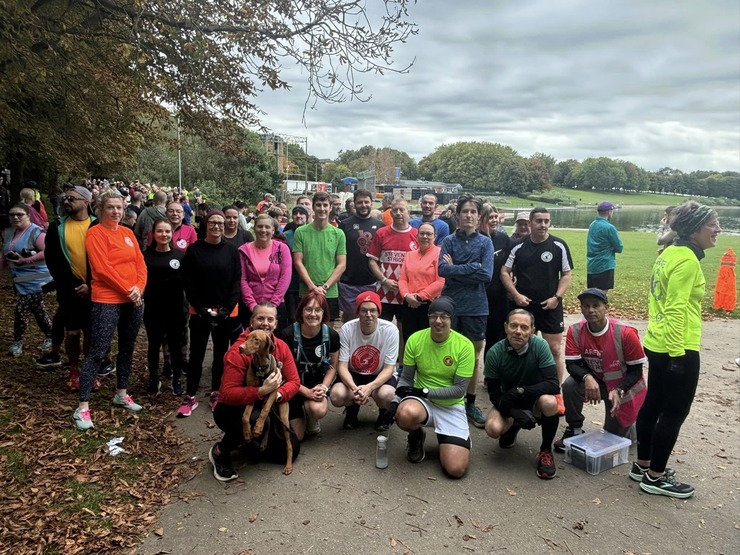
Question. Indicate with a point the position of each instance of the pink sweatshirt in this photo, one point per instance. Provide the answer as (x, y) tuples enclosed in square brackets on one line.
[(419, 274), (275, 284)]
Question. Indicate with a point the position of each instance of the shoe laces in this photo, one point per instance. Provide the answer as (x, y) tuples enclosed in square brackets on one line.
[(84, 414), (546, 458)]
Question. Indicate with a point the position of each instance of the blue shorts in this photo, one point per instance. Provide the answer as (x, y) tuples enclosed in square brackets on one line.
[(472, 327)]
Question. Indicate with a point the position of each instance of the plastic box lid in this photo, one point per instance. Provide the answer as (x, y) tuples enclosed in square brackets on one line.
[(598, 443)]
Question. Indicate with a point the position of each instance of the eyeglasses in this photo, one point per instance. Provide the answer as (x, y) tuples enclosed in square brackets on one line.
[(70, 198), (368, 311), (313, 310), (16, 214), (444, 317), (426, 234), (215, 224)]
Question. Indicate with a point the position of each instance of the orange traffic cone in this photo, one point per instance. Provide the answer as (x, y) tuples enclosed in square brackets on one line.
[(725, 292)]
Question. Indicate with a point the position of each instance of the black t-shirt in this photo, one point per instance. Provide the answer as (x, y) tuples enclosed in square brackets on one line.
[(309, 362), (539, 266), (502, 245), (164, 280), (359, 232), (242, 236)]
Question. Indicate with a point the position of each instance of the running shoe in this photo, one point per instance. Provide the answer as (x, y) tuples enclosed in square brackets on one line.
[(475, 416), (177, 389), (222, 470), (637, 471), (45, 345), (351, 420), (560, 443), (49, 360), (667, 484), (155, 387), (313, 427), (125, 402), (380, 425), (107, 367), (508, 438), (189, 404), (545, 465), (16, 349), (82, 420), (415, 452)]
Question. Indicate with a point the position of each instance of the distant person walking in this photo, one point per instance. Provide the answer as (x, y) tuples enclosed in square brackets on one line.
[(602, 244)]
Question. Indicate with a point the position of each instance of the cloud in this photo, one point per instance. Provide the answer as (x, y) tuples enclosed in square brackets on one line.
[(656, 83)]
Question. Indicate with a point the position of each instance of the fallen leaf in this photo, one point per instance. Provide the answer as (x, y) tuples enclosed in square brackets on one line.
[(510, 492), (222, 529), (596, 501), (458, 520), (253, 517), (468, 537), (159, 532), (394, 543)]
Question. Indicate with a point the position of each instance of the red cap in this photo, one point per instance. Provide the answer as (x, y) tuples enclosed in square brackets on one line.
[(368, 297)]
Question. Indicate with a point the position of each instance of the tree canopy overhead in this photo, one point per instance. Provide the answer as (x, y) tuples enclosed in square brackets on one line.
[(85, 81)]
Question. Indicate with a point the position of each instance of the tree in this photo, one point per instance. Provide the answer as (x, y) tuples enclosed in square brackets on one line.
[(85, 83), (539, 176), (549, 163), (512, 176), (603, 174), (472, 164), (383, 161), (563, 172)]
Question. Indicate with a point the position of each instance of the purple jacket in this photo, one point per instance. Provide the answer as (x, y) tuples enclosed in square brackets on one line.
[(273, 288)]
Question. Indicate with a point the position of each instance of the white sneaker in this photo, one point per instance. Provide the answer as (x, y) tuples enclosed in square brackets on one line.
[(313, 427)]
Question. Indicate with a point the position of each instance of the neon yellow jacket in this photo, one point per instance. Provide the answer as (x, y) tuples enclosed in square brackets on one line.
[(674, 301)]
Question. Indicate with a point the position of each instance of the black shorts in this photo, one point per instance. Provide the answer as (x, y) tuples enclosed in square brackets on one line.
[(364, 379), (547, 321), (391, 310), (74, 311), (472, 327), (603, 281)]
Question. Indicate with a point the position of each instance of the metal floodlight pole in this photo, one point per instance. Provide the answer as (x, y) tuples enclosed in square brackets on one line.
[(179, 155)]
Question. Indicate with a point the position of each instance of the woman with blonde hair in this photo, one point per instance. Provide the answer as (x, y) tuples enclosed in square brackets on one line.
[(118, 279)]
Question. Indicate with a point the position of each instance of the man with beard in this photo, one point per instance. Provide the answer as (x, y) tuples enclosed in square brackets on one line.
[(359, 230), (148, 216), (66, 258)]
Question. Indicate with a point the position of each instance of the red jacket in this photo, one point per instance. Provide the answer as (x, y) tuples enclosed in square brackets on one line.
[(234, 390)]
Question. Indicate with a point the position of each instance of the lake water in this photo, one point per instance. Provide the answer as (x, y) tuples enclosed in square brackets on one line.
[(629, 218)]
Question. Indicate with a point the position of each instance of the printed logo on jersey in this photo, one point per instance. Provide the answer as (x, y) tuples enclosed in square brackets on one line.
[(448, 361), (413, 246), (174, 263), (546, 256), (363, 241), (181, 243), (365, 359), (128, 241)]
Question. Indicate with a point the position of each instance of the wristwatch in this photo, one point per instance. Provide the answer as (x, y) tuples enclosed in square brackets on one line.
[(325, 286), (620, 392), (520, 390), (558, 297)]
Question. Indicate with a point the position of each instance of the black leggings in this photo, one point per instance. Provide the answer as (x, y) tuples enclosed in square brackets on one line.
[(160, 322), (667, 404), (200, 330), (106, 318), (32, 304), (229, 419)]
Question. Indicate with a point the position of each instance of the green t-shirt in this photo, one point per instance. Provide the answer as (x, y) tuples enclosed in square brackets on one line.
[(437, 364), (514, 370), (320, 249)]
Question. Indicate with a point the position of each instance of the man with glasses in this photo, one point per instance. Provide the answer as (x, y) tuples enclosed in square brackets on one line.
[(66, 258), (466, 263), (368, 349), (437, 366)]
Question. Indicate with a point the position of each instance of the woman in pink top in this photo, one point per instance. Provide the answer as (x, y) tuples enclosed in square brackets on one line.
[(419, 283), (266, 268)]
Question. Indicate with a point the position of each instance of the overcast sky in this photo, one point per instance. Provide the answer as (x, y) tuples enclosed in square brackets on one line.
[(656, 83)]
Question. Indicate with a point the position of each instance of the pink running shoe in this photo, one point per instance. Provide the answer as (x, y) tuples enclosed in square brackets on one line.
[(213, 401), (189, 404)]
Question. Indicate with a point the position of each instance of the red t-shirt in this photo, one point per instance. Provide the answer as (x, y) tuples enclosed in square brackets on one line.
[(593, 351), (389, 247)]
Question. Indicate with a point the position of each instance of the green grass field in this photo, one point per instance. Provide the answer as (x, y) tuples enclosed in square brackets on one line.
[(632, 278), (594, 197)]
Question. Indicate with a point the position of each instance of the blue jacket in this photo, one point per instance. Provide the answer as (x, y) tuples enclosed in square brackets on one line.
[(601, 244), (466, 279), (441, 229)]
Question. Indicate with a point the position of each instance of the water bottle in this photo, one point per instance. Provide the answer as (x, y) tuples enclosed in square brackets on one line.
[(381, 452)]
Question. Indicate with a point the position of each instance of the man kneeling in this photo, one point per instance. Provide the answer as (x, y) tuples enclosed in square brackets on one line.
[(437, 366), (522, 382)]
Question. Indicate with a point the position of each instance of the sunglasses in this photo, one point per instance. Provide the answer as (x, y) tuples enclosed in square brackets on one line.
[(70, 198)]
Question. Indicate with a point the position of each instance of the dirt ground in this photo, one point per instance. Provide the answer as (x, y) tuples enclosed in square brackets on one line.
[(337, 502)]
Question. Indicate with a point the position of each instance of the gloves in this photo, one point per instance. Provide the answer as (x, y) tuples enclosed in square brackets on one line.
[(508, 401), (408, 391), (390, 414), (523, 418), (677, 365)]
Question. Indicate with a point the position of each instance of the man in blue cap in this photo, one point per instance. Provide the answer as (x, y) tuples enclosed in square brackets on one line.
[(602, 244)]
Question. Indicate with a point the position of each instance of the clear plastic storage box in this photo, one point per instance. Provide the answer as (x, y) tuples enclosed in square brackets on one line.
[(597, 451)]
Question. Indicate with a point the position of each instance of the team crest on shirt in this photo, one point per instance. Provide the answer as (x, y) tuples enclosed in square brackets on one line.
[(128, 241), (355, 226), (413, 246), (174, 263), (182, 243), (448, 361), (546, 256)]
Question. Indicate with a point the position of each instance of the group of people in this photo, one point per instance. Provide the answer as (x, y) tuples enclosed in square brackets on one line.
[(452, 293)]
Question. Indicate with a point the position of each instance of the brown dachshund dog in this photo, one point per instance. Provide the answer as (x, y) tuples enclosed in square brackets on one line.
[(260, 345)]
